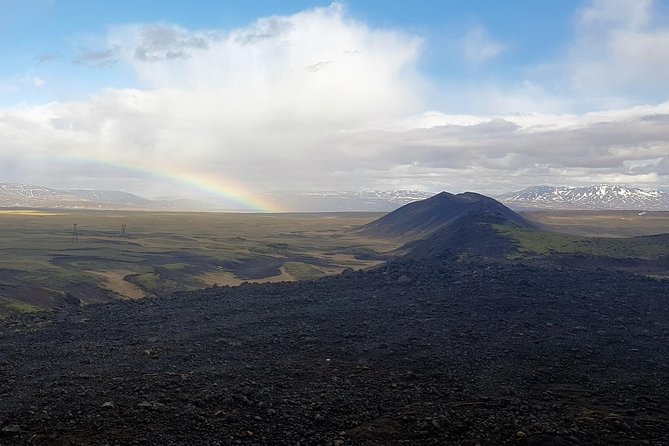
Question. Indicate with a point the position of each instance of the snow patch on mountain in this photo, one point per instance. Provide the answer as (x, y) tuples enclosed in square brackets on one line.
[(603, 196), (14, 195)]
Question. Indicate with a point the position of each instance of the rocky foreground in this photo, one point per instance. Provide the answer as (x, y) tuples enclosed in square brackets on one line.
[(420, 353)]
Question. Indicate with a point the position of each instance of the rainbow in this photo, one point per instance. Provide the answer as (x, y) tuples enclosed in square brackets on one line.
[(184, 175)]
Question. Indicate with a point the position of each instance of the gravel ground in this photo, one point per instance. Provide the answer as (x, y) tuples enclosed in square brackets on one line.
[(421, 353)]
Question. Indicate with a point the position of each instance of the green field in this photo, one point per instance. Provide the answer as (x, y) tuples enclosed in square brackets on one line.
[(618, 240), (601, 223), (541, 243), (43, 262)]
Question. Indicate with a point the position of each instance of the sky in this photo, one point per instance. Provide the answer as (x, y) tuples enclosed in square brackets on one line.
[(236, 98)]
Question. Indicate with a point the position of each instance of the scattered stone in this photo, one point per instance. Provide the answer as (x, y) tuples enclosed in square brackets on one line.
[(403, 279), (435, 361), (11, 429)]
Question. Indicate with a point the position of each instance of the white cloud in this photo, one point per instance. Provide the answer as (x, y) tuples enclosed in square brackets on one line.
[(620, 52), (479, 47), (494, 154), (20, 82), (599, 15), (253, 104), (37, 82)]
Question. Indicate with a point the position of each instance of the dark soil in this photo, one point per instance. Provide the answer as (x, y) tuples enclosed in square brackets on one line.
[(416, 353), (47, 298), (32, 295), (257, 267)]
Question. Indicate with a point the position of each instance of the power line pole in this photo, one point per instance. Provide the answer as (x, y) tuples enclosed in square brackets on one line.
[(123, 230), (75, 233)]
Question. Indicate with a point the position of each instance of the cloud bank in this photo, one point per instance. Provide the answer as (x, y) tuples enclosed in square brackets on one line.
[(620, 53), (318, 100)]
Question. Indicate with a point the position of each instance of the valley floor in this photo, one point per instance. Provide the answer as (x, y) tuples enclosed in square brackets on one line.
[(420, 353)]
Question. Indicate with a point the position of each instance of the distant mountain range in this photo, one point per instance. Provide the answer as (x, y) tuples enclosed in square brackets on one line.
[(587, 197), (28, 196), (347, 201), (535, 197)]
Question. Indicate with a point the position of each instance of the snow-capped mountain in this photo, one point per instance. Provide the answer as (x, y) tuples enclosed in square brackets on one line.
[(588, 197), (29, 196), (347, 201), (112, 196), (23, 195)]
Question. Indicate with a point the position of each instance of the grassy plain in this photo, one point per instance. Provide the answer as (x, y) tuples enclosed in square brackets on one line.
[(43, 263), (601, 223), (545, 243), (42, 260), (621, 240)]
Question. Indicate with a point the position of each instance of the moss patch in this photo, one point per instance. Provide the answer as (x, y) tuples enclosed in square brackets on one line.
[(533, 242), (302, 271), (21, 307)]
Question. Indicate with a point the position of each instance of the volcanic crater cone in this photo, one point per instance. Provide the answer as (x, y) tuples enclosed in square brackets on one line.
[(448, 224)]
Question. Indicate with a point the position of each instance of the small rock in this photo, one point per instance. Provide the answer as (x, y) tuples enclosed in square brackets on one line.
[(11, 429), (403, 279), (107, 405), (150, 405)]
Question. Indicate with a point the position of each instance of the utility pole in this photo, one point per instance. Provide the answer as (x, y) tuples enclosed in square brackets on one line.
[(123, 230), (75, 233)]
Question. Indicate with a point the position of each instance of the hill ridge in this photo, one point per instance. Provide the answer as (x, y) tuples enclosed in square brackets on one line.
[(421, 219), (602, 196)]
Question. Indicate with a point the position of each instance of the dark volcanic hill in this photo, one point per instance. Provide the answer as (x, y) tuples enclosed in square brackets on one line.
[(423, 218), (472, 234)]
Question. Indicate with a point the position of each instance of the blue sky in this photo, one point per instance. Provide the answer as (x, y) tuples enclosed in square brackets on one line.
[(478, 95)]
